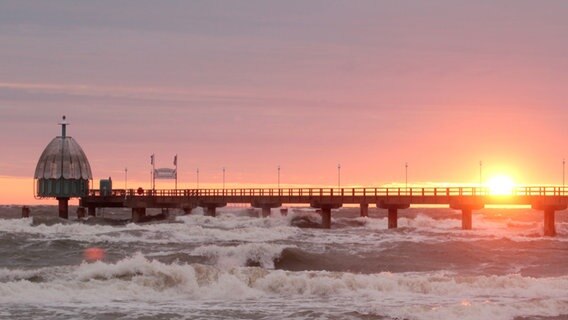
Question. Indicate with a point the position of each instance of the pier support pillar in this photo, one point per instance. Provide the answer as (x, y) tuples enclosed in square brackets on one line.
[(187, 211), (326, 217), (284, 212), (138, 214), (393, 208), (550, 209), (549, 222), (265, 212), (92, 211), (364, 209), (25, 212), (265, 206), (325, 211), (466, 205), (210, 207), (80, 213), (211, 211), (467, 221), (393, 218), (63, 208)]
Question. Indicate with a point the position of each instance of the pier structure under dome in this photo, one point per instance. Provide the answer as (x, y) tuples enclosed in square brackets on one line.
[(466, 199), (62, 171)]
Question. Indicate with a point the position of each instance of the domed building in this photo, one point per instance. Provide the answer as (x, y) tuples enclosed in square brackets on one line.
[(63, 171)]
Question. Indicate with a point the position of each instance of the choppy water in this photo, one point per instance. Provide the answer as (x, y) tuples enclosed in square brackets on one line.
[(238, 266)]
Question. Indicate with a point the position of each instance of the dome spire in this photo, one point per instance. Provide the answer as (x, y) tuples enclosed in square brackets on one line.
[(63, 125)]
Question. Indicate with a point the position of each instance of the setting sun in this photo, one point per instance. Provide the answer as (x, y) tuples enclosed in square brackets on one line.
[(500, 185)]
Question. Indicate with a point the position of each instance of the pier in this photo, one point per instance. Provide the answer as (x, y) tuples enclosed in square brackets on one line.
[(549, 200)]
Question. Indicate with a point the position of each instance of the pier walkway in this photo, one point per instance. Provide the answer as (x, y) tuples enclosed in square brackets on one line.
[(466, 199)]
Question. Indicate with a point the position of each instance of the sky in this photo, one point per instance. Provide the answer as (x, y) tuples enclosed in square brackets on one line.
[(307, 85)]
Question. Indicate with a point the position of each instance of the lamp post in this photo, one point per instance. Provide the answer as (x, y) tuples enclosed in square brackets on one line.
[(563, 175), (480, 174), (125, 179), (197, 178), (406, 176), (223, 178), (278, 176), (339, 176)]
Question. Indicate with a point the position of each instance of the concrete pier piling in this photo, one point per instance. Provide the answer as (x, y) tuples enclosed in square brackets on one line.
[(210, 207), (265, 212), (211, 211), (326, 217), (467, 205), (138, 214), (467, 219), (393, 218), (25, 212), (549, 222), (63, 208), (393, 207), (80, 213), (92, 211), (364, 209), (324, 209), (266, 206), (550, 207)]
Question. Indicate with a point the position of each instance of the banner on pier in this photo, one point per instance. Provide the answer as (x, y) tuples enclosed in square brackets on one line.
[(165, 173)]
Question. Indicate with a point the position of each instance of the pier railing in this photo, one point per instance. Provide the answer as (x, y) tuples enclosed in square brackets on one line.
[(337, 192)]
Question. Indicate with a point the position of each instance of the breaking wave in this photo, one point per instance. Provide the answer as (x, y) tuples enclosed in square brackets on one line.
[(428, 295)]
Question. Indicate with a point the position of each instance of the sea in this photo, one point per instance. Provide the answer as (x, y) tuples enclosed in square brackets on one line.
[(238, 265)]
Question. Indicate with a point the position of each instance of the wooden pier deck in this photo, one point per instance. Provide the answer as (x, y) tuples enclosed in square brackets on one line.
[(466, 199)]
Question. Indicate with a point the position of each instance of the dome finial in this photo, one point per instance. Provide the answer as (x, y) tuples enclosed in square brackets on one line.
[(63, 125)]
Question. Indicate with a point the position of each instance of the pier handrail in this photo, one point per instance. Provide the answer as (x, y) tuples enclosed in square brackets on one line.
[(337, 192)]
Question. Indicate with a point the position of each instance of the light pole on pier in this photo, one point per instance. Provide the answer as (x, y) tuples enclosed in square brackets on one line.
[(406, 176), (278, 176), (339, 176), (197, 178), (480, 174), (563, 174), (223, 177), (153, 163), (125, 179)]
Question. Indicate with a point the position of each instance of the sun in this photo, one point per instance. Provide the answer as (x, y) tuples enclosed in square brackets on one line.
[(500, 185)]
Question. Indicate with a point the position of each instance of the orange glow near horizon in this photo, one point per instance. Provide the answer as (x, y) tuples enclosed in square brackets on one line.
[(501, 185)]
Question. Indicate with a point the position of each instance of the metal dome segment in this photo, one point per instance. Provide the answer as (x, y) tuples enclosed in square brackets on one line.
[(76, 166), (63, 171), (63, 158)]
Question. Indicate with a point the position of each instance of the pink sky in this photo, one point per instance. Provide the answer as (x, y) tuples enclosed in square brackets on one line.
[(250, 85)]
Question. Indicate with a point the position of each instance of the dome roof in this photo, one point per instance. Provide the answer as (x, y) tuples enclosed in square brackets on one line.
[(63, 158)]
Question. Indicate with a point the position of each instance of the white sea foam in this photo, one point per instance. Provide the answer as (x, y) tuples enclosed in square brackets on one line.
[(439, 295), (190, 229), (262, 254), (425, 228)]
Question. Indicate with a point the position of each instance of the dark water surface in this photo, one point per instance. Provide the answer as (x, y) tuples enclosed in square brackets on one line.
[(238, 266)]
